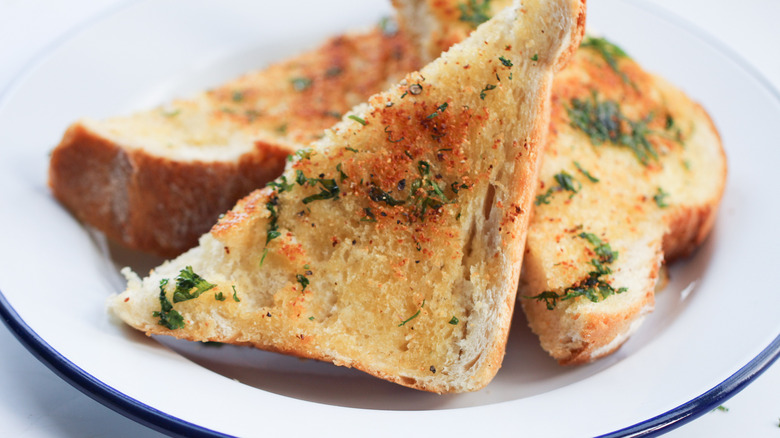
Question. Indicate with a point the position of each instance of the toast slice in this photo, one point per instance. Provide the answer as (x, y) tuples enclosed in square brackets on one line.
[(157, 180), (632, 176), (394, 243)]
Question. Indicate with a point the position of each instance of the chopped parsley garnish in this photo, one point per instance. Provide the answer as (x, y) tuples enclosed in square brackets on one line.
[(587, 174), (342, 175), (454, 320), (721, 408), (474, 12), (303, 281), (357, 119), (351, 149), (378, 195), (369, 216), (425, 192), (603, 122), (390, 135), (610, 52), (328, 190), (416, 314), (302, 154), (238, 96), (565, 182), (186, 281), (594, 287), (280, 184), (506, 62), (273, 227), (603, 250), (219, 296), (487, 88), (438, 111), (660, 198), (301, 83), (169, 318), (235, 294), (535, 57)]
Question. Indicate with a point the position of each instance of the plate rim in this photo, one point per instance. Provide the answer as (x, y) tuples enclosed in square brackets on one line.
[(169, 424)]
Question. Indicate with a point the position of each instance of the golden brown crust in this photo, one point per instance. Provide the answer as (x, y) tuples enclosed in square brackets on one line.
[(689, 225), (162, 205), (148, 202)]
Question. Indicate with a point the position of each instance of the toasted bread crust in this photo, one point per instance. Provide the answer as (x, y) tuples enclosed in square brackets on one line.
[(118, 190), (111, 178)]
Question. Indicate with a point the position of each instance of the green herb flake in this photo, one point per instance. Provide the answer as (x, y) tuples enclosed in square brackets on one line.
[(506, 62), (219, 296), (186, 281), (587, 174), (604, 122), (378, 195), (593, 287), (369, 217), (342, 175), (390, 134), (357, 119), (535, 57), (329, 189), (660, 198), (721, 408), (488, 87), (280, 184), (610, 52), (235, 294), (565, 182), (454, 320), (238, 96), (301, 154), (416, 314), (301, 83), (438, 111), (474, 12), (351, 149), (169, 318), (303, 281)]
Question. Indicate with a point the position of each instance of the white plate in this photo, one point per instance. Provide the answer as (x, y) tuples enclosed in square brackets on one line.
[(715, 327)]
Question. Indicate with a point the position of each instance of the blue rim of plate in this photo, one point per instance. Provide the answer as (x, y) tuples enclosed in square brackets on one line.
[(170, 425)]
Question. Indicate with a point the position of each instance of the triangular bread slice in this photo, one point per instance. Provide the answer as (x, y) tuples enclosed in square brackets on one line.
[(632, 175), (158, 179), (394, 244)]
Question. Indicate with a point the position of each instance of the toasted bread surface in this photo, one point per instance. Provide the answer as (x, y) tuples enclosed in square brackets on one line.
[(653, 203), (394, 244), (634, 162), (157, 180)]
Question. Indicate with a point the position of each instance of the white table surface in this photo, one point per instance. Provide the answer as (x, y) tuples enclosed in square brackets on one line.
[(34, 402)]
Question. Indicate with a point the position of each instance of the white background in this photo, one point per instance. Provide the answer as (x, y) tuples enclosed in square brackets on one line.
[(34, 402)]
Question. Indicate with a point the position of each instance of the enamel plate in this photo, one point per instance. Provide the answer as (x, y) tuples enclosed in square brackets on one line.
[(714, 329)]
